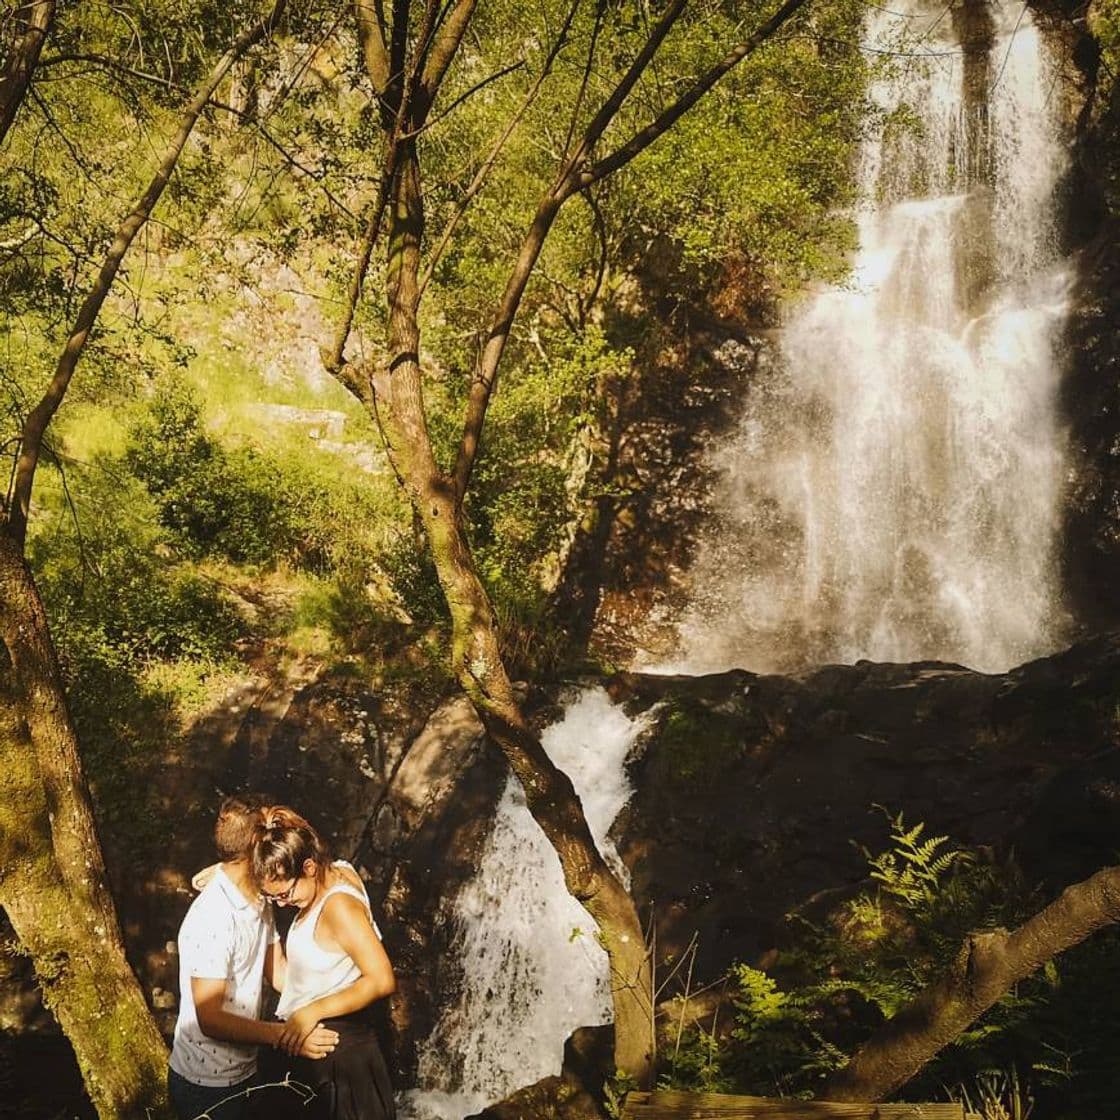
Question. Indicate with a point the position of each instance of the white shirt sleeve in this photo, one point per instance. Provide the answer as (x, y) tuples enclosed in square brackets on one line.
[(207, 947)]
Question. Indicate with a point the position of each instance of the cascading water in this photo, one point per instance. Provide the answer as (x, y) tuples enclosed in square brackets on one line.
[(533, 970), (893, 491)]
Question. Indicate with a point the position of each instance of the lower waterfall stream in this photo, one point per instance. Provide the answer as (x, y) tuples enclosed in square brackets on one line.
[(532, 969)]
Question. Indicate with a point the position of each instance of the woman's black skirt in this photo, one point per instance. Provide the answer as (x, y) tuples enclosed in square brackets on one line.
[(351, 1083)]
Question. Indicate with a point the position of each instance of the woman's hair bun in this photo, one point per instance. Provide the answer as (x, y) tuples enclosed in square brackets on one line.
[(280, 816)]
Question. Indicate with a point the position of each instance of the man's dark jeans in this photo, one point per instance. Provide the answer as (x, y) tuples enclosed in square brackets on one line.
[(218, 1102)]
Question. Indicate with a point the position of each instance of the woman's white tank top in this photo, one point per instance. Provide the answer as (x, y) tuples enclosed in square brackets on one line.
[(314, 972)]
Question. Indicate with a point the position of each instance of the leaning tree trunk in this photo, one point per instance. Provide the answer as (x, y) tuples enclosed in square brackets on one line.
[(476, 656), (986, 967), (52, 879), (31, 25)]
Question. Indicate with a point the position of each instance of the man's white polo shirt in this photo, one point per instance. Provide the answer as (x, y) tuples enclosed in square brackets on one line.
[(223, 937)]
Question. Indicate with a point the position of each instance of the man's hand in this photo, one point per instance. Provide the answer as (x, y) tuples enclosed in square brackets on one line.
[(319, 1043), (200, 878), (298, 1029)]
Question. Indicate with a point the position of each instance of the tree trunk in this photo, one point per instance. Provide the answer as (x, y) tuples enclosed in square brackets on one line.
[(476, 656), (32, 25), (986, 967), (52, 879)]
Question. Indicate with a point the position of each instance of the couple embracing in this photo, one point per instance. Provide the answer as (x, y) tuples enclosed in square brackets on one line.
[(329, 970)]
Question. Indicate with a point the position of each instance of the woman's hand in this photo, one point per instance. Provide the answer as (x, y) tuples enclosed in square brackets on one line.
[(300, 1024)]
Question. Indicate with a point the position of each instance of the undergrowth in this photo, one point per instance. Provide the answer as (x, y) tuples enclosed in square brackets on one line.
[(1046, 1049)]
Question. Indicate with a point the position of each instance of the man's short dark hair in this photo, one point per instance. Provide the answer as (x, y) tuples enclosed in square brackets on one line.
[(239, 816)]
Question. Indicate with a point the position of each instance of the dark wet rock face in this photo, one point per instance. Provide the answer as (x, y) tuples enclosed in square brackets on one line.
[(635, 541), (1091, 390), (755, 794), (576, 1093)]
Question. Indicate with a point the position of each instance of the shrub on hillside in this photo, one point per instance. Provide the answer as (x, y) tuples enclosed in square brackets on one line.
[(232, 504)]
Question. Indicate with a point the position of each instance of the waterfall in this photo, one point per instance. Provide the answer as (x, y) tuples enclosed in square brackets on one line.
[(892, 493), (893, 490), (533, 970)]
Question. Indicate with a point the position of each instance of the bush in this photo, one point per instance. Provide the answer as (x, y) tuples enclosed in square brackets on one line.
[(236, 504)]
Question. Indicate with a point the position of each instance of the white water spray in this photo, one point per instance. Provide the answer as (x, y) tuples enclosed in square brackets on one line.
[(533, 968), (893, 492)]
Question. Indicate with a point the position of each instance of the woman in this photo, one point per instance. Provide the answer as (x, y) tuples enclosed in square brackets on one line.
[(335, 968)]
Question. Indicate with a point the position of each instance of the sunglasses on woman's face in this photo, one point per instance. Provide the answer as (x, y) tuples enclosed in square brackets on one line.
[(280, 896)]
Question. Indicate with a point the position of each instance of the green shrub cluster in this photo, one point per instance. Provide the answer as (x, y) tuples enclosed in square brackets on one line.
[(236, 504)]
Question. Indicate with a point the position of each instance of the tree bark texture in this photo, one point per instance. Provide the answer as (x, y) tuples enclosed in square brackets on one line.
[(52, 876), (32, 24), (986, 967), (551, 798), (52, 879)]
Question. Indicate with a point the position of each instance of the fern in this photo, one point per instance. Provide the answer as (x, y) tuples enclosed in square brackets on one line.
[(838, 981), (913, 870)]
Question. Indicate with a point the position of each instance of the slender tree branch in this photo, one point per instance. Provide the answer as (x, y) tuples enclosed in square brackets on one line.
[(67, 143), (610, 107), (316, 177), (600, 226), (433, 18), (333, 358), (35, 426), (398, 58), (585, 80), (486, 369), (385, 71), (33, 24), (642, 140), (371, 38), (479, 179), (111, 64), (431, 122), (444, 49)]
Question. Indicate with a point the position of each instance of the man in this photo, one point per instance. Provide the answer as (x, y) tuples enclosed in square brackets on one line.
[(228, 947)]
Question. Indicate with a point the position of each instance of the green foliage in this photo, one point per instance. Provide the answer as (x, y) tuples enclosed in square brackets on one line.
[(914, 869), (114, 592), (1104, 22), (120, 605), (754, 173), (615, 1091), (529, 481), (696, 745), (233, 504), (794, 1023)]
